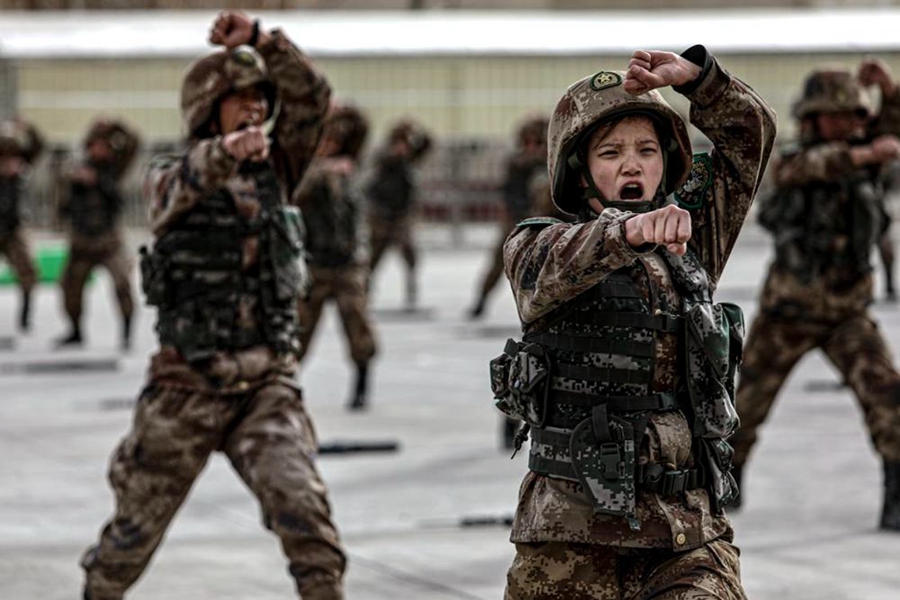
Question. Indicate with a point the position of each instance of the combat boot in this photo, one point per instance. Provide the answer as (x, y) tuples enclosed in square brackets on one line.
[(737, 471), (359, 400), (25, 313), (890, 512), (73, 339), (126, 334)]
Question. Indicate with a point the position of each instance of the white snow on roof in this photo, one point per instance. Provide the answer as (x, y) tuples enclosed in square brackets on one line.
[(82, 34)]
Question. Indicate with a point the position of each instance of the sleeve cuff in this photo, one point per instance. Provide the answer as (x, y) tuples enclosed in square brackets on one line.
[(616, 242), (277, 42), (710, 84)]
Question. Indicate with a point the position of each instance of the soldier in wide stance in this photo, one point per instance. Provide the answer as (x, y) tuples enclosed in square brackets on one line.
[(20, 145), (93, 207), (392, 194), (826, 216), (336, 242), (224, 272), (625, 374)]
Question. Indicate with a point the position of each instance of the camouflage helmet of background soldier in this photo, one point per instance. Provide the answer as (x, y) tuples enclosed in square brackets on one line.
[(123, 144), (832, 91), (413, 135), (533, 127), (348, 127), (587, 104), (211, 78)]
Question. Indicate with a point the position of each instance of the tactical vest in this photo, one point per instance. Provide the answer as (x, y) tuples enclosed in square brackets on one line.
[(809, 223), (391, 188), (332, 224), (94, 210), (195, 277), (10, 190), (583, 383)]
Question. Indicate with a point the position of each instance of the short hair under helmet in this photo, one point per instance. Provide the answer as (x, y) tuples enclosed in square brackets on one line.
[(211, 78), (589, 102)]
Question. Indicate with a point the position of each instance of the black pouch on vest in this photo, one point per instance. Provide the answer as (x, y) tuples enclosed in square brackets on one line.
[(520, 380), (153, 277)]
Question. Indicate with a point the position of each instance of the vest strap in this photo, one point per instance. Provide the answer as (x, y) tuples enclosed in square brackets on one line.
[(662, 322), (574, 343), (603, 375)]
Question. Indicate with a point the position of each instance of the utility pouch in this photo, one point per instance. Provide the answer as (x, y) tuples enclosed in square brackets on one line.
[(520, 380), (713, 338), (153, 277), (603, 458), (715, 458), (285, 242)]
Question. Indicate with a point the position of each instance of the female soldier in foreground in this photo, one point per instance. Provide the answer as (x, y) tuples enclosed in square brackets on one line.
[(625, 373)]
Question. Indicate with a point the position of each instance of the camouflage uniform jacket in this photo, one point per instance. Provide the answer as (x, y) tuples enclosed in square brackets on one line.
[(391, 190), (93, 210), (840, 290), (521, 170), (332, 212), (176, 185), (552, 266)]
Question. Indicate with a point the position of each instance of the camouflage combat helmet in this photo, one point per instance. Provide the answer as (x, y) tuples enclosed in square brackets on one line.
[(585, 105), (534, 126), (212, 77), (832, 90), (349, 127), (413, 135), (109, 131)]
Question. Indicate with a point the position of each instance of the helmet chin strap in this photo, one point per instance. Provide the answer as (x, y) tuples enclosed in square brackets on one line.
[(592, 191)]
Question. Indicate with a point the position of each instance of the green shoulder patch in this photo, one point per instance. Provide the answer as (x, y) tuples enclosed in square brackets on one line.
[(538, 222), (163, 161), (692, 194), (605, 79)]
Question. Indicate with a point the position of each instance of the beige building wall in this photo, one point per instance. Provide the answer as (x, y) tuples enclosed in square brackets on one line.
[(455, 97)]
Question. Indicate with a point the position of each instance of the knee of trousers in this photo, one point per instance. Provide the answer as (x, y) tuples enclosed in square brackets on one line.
[(363, 348)]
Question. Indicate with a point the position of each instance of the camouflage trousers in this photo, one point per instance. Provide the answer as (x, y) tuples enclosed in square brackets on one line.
[(268, 437), (386, 233), (15, 248), (347, 287), (855, 347), (567, 571), (495, 269), (84, 255)]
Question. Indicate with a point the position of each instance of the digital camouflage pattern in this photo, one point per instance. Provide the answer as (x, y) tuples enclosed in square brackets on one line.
[(549, 267), (832, 90), (557, 571), (241, 402), (817, 292)]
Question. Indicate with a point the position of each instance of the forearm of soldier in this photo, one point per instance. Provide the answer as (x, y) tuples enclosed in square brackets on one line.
[(888, 120), (206, 166), (303, 90), (823, 162), (548, 268)]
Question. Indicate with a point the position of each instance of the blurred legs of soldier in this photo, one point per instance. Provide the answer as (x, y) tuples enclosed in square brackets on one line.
[(385, 234), (110, 253), (554, 570), (269, 439), (858, 350), (494, 272), (347, 287), (886, 251), (15, 248)]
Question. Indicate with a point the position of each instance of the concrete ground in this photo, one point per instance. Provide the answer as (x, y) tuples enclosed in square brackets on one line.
[(807, 529)]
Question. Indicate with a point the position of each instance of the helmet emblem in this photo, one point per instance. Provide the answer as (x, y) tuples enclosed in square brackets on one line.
[(244, 58), (605, 79)]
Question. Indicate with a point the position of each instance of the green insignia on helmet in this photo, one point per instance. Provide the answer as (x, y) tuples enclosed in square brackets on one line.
[(693, 192), (245, 58), (605, 79)]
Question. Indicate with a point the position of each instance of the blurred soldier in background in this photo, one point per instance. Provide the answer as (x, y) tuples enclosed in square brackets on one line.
[(336, 242), (826, 215), (92, 207), (224, 272), (392, 196), (625, 373), (20, 145), (524, 169), (886, 252)]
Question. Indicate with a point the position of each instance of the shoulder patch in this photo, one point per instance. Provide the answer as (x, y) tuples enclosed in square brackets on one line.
[(692, 193), (164, 161), (538, 222)]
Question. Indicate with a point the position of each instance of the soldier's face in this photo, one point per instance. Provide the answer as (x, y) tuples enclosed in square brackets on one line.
[(242, 109), (626, 161), (11, 166), (99, 151), (839, 126)]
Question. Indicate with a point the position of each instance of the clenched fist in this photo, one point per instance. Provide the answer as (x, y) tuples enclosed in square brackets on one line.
[(669, 226), (654, 69), (248, 144), (233, 28)]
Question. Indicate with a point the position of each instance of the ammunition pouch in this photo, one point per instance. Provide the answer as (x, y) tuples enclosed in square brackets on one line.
[(153, 277), (520, 380), (285, 249)]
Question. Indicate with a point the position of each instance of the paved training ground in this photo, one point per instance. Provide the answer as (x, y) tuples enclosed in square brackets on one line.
[(807, 530)]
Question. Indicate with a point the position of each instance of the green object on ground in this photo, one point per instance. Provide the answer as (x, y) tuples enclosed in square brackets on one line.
[(51, 260)]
